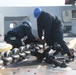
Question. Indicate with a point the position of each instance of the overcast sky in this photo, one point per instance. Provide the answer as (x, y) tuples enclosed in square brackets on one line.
[(32, 3)]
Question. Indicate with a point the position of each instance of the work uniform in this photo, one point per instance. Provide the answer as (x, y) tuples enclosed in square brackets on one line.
[(14, 36), (53, 29)]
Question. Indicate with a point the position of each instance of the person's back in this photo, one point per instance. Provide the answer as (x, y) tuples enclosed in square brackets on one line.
[(49, 20), (20, 31)]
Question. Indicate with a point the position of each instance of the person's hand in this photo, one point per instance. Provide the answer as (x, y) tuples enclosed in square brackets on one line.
[(27, 41), (40, 40)]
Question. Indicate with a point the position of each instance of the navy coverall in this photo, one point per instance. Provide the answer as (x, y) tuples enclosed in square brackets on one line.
[(14, 36), (53, 30)]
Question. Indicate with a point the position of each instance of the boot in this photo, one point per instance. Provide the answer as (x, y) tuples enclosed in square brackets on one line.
[(71, 51), (71, 57)]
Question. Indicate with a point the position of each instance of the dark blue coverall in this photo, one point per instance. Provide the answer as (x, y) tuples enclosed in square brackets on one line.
[(14, 36), (53, 30)]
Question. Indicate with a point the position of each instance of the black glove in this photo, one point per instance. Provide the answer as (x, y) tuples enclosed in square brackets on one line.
[(27, 41)]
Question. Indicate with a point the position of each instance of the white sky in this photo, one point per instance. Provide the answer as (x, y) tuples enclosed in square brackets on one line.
[(4, 3)]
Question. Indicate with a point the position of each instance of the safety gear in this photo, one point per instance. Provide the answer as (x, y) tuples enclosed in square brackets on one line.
[(71, 51), (37, 12), (27, 22), (71, 56)]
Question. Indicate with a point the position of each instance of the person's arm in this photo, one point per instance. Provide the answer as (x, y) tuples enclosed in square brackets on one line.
[(32, 37), (29, 34), (39, 29)]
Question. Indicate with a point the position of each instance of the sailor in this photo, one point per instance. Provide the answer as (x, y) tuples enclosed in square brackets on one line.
[(53, 29), (15, 35)]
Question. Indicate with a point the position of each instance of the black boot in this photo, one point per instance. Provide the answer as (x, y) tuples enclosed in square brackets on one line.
[(71, 57)]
